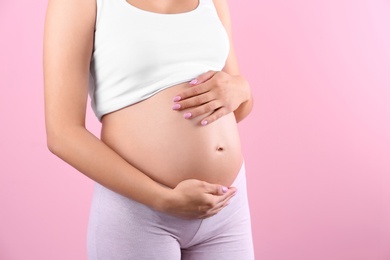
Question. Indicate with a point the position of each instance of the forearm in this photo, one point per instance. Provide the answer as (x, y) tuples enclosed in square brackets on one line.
[(82, 150), (246, 106)]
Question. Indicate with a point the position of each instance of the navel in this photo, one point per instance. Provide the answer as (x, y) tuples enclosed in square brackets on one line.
[(220, 148)]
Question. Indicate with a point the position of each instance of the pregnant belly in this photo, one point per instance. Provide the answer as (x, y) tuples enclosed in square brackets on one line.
[(168, 148)]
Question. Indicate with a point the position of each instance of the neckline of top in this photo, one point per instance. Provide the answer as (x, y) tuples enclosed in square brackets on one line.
[(162, 14)]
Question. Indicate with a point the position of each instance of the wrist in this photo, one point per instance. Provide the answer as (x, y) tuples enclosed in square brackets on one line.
[(163, 200), (246, 89), (246, 104)]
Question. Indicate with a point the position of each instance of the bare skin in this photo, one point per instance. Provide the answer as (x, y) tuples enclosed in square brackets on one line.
[(68, 44), (168, 148)]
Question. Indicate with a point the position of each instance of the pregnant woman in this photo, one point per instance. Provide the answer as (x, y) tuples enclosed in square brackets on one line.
[(164, 82)]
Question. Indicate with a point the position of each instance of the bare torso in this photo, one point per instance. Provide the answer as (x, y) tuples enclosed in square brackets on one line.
[(168, 148)]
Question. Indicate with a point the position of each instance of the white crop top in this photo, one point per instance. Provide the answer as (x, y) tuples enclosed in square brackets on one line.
[(138, 53)]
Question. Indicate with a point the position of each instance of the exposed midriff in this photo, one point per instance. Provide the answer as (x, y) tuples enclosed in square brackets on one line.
[(168, 148)]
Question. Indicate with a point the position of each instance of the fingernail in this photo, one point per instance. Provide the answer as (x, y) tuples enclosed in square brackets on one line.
[(224, 189), (187, 115), (177, 98), (204, 122), (176, 106), (194, 81)]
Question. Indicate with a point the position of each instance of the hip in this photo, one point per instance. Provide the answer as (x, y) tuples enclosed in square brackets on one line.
[(121, 225)]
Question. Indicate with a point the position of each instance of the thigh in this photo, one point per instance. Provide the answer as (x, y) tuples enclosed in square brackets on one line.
[(122, 229), (232, 241), (227, 235), (229, 250)]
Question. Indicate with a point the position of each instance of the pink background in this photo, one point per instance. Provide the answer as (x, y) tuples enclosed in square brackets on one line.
[(317, 144)]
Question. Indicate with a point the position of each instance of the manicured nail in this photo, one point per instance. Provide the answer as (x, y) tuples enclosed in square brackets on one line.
[(193, 82), (176, 106), (204, 122), (187, 115), (224, 189), (177, 98)]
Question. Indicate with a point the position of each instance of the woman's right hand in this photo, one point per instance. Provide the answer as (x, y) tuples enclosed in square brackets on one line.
[(192, 199)]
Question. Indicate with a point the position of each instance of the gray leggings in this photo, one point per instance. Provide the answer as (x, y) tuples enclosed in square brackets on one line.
[(122, 229)]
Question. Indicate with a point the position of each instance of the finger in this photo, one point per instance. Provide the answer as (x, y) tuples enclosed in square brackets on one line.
[(195, 82), (193, 101), (203, 77), (222, 203), (209, 107), (227, 197), (216, 199), (192, 92), (218, 206), (211, 212), (215, 189), (218, 113)]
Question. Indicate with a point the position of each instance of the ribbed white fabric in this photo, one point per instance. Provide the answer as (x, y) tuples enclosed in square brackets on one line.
[(138, 53)]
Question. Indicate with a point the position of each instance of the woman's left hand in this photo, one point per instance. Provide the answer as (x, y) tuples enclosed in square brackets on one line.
[(216, 93)]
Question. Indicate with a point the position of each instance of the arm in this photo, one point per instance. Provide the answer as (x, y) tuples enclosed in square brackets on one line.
[(224, 91), (68, 45), (231, 66)]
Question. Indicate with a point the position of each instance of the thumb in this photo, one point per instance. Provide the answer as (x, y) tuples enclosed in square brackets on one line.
[(216, 189), (203, 77)]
